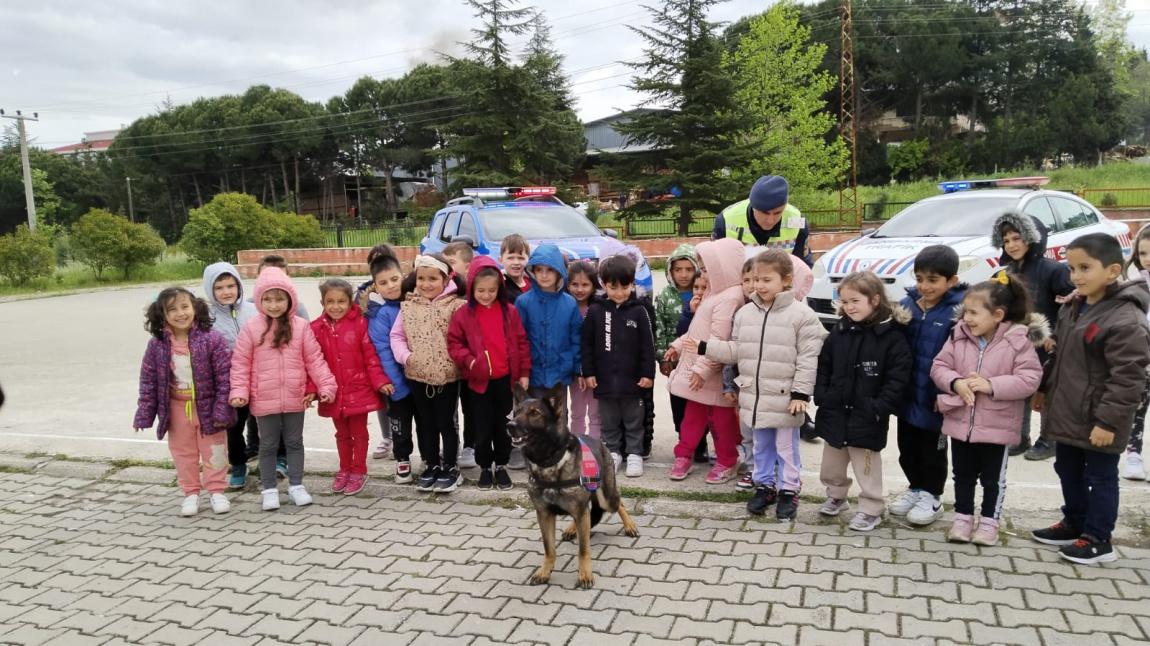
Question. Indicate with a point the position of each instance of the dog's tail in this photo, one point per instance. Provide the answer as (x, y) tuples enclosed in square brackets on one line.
[(596, 511)]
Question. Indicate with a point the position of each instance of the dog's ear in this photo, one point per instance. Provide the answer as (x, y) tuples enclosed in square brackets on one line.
[(518, 394), (555, 404)]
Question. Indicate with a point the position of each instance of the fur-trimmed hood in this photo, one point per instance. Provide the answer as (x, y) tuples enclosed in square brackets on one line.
[(1038, 328), (1033, 233), (898, 314)]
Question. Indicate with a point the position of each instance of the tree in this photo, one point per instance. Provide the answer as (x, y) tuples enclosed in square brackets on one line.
[(227, 224), (142, 246), (26, 255), (96, 239), (780, 90), (553, 143), (690, 132)]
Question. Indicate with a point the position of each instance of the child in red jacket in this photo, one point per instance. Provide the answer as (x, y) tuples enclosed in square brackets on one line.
[(342, 334), (486, 340)]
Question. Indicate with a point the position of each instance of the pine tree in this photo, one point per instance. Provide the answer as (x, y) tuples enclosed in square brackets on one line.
[(552, 140)]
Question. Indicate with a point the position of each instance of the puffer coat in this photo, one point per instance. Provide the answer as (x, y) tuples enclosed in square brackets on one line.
[(351, 357), (211, 368)]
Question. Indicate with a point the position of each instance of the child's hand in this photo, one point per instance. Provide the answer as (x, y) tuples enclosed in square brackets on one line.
[(691, 344), (1037, 401), (326, 399), (979, 384), (797, 407), (731, 398), (238, 402), (1101, 437), (646, 382), (694, 304), (387, 389), (139, 429), (590, 383), (525, 382), (671, 354), (308, 400), (696, 382), (666, 367), (962, 389), (1049, 344)]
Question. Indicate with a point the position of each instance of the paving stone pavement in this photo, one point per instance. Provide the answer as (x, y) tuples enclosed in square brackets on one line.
[(103, 561)]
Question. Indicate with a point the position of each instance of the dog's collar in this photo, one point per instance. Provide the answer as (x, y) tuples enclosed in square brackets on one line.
[(561, 484)]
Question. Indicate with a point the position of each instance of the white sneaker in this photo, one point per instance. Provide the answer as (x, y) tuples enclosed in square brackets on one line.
[(905, 502), (834, 506), (466, 458), (618, 460), (299, 496), (634, 466), (864, 522), (220, 504), (191, 505), (1135, 468), (271, 499), (927, 510)]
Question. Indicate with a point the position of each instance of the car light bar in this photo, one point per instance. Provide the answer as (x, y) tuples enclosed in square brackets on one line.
[(1006, 182), (508, 192)]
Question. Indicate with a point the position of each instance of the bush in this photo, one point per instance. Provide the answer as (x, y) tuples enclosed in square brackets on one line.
[(25, 255), (102, 239), (229, 223), (297, 231)]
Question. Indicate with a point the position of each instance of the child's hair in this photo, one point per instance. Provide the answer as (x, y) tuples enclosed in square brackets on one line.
[(778, 261), (1143, 234), (219, 279), (1004, 292), (618, 269), (282, 323), (155, 321), (272, 260), (870, 286), (465, 252), (748, 265), (1102, 247), (514, 243), (583, 268), (336, 283), (500, 289), (379, 251), (937, 259), (409, 281), (383, 262)]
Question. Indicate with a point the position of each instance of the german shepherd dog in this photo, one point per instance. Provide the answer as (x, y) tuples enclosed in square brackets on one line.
[(554, 457)]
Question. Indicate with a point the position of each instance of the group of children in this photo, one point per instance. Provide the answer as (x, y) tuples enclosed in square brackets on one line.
[(743, 354)]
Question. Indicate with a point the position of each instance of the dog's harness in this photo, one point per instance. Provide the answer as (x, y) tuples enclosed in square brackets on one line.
[(590, 472)]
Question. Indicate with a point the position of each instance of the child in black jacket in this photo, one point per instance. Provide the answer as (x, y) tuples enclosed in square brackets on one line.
[(618, 356)]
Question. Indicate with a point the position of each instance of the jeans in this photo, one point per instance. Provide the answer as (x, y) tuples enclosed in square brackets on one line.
[(274, 429), (1089, 489)]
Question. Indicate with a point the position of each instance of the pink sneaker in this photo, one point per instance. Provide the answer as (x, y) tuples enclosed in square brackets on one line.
[(340, 482), (960, 529), (720, 474), (681, 468), (355, 484), (987, 532)]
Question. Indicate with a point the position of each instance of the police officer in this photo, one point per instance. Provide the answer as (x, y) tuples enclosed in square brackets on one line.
[(766, 219)]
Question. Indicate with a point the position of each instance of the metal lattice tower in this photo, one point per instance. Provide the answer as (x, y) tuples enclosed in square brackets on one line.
[(848, 125)]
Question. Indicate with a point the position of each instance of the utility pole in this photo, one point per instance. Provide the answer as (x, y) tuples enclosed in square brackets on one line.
[(848, 117), (28, 197), (131, 211)]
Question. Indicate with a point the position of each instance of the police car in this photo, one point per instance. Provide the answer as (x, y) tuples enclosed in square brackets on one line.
[(484, 216), (961, 218)]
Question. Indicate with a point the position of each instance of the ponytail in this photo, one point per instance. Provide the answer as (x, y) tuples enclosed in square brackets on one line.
[(1005, 292)]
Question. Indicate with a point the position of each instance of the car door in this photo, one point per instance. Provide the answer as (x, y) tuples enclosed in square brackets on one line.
[(1075, 218), (1039, 207)]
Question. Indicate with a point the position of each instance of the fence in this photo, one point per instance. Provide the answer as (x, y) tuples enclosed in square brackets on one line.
[(343, 235), (666, 227), (1116, 198)]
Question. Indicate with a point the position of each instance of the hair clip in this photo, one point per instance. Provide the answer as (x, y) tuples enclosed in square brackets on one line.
[(1001, 278)]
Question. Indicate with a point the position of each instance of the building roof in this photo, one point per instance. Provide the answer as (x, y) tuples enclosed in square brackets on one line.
[(94, 142)]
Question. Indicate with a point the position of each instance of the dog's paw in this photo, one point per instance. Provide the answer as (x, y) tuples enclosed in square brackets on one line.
[(631, 531), (585, 581), (539, 577), (569, 534)]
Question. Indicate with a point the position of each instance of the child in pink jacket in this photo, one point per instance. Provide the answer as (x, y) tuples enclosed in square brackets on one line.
[(984, 374), (275, 356)]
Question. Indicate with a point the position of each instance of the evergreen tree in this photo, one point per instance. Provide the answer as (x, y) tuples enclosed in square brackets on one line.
[(551, 142)]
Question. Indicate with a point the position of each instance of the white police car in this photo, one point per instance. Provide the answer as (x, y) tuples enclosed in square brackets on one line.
[(961, 218)]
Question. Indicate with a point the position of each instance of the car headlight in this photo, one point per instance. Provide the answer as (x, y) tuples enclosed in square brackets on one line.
[(966, 263), (820, 269)]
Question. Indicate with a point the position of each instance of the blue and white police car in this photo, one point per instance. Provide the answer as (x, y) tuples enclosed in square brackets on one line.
[(484, 216), (962, 218)]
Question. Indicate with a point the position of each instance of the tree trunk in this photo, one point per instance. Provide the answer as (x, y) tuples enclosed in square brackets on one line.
[(243, 181), (389, 188), (199, 195), (358, 194), (917, 110), (283, 170), (296, 200), (272, 183)]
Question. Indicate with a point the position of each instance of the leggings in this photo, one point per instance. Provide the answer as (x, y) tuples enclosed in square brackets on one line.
[(435, 406), (975, 462), (237, 446), (288, 428), (489, 411)]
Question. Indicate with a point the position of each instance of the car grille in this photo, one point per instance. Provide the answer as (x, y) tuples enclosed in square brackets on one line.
[(822, 306)]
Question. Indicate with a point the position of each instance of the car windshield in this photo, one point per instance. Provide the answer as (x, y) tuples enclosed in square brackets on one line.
[(967, 216), (535, 222)]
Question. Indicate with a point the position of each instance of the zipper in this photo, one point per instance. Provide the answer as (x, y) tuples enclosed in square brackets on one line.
[(759, 366), (978, 367)]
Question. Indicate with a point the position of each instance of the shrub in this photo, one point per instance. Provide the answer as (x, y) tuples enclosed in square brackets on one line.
[(102, 239), (227, 224), (297, 231), (143, 246), (25, 255)]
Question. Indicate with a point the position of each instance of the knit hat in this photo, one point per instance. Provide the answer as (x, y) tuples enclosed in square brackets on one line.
[(769, 192)]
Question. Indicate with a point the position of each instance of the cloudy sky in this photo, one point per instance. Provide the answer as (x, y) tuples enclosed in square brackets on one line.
[(89, 66)]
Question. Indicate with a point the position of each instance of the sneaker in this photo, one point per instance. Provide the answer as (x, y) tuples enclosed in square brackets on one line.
[(427, 478), (681, 468), (402, 472), (1057, 534), (486, 479), (864, 522), (516, 460), (905, 502), (271, 499), (467, 458), (1088, 550), (220, 504), (339, 483), (355, 484), (961, 529), (502, 478), (617, 459), (1135, 469), (788, 506), (720, 474), (449, 479), (746, 482), (281, 468), (987, 533), (927, 510), (191, 505), (634, 466), (834, 506), (382, 451), (763, 498), (1041, 450), (239, 477), (299, 496), (1020, 448)]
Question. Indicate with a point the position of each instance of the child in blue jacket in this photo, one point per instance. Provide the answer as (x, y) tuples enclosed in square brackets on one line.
[(382, 311), (554, 327)]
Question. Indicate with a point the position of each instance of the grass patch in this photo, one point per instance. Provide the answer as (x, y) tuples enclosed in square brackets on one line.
[(174, 267), (7, 469), (642, 493), (123, 463)]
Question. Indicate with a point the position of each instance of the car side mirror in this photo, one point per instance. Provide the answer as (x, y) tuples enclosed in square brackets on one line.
[(465, 238), (611, 233)]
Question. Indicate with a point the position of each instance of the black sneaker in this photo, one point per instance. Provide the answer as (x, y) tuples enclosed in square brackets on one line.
[(1021, 447), (427, 478), (788, 506), (449, 479), (1088, 550), (486, 478), (502, 478), (1057, 534), (1041, 450), (764, 497)]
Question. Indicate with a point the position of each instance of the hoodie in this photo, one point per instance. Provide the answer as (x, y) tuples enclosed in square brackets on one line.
[(618, 349), (553, 323), (671, 303), (1046, 280), (275, 380), (470, 349), (228, 320)]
